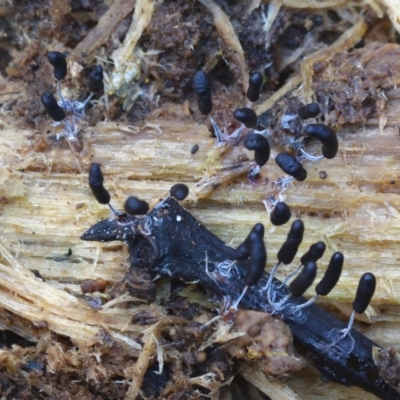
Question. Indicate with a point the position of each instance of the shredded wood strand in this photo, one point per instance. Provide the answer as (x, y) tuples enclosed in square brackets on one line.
[(272, 388), (127, 65), (347, 40), (106, 25), (228, 35)]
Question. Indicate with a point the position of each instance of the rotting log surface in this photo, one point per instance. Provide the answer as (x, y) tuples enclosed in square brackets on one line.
[(47, 204), (178, 246), (351, 202)]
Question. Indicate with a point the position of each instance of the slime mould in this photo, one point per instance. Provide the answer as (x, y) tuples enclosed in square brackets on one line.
[(169, 241)]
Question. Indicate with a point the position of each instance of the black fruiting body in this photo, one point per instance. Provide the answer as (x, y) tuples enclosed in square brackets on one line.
[(255, 82), (315, 252), (180, 191), (135, 206), (258, 258), (201, 85), (204, 105), (280, 214), (311, 110), (326, 136), (294, 238), (57, 60), (331, 276), (261, 156), (194, 149), (96, 79), (101, 194), (254, 141), (365, 291), (317, 19), (95, 175), (96, 184), (291, 166), (260, 145), (247, 116), (304, 280), (55, 112), (242, 252)]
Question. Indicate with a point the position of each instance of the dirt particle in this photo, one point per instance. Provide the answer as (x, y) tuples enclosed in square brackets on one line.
[(323, 174), (194, 149)]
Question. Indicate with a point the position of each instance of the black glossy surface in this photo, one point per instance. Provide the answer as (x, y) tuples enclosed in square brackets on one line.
[(96, 184), (55, 112), (332, 274), (280, 214), (96, 80), (58, 61), (258, 259), (310, 110), (253, 91), (294, 238), (288, 164), (326, 136), (304, 280), (135, 206), (247, 116), (180, 191), (365, 291)]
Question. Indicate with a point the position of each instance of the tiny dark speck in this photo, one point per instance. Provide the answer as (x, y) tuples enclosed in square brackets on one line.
[(318, 67), (323, 174), (318, 19), (392, 182), (194, 148), (324, 379)]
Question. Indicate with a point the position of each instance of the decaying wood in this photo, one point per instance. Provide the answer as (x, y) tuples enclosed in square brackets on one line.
[(40, 230), (127, 67), (227, 33), (174, 244), (117, 11), (351, 202)]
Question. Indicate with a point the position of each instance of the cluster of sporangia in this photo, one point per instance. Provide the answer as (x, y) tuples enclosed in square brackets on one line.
[(255, 140), (65, 111), (253, 246)]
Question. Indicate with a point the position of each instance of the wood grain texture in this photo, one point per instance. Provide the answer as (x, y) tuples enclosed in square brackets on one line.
[(47, 204)]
